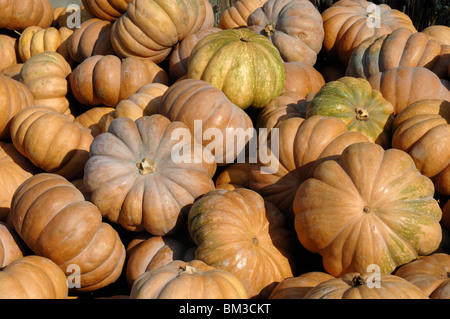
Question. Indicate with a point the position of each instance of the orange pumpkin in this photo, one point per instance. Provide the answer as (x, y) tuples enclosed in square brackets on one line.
[(302, 78), (237, 15), (11, 245), (97, 119), (298, 287), (20, 14), (234, 176), (8, 51), (108, 10)]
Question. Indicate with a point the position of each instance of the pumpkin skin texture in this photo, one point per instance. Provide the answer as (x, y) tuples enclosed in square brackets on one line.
[(357, 286), (150, 28), (15, 97), (429, 273), (97, 119), (403, 86), (13, 71), (246, 66), (298, 287), (383, 211), (349, 22), (20, 14), (361, 108), (236, 230), (61, 17), (302, 145), (45, 75), (422, 130), (440, 33), (52, 141), (295, 27), (234, 176), (52, 217), (107, 79), (302, 78), (190, 100), (187, 280), (236, 16), (8, 52), (108, 10), (136, 181), (11, 246), (33, 277)]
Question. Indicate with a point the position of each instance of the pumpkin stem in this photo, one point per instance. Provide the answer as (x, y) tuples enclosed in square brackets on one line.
[(146, 166), (188, 270), (270, 29), (362, 114), (358, 281), (366, 209)]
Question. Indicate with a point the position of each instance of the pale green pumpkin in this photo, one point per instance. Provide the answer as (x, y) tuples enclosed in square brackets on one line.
[(361, 108), (246, 66)]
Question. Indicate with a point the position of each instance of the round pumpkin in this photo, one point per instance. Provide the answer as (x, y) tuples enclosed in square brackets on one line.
[(236, 15), (8, 51), (298, 287), (302, 78), (61, 16), (97, 119), (370, 206), (363, 286), (237, 231), (107, 79), (295, 27), (20, 14), (361, 108), (150, 28), (234, 176), (187, 280), (52, 217), (422, 129), (141, 176), (246, 66), (52, 141), (108, 10), (11, 245), (33, 277)]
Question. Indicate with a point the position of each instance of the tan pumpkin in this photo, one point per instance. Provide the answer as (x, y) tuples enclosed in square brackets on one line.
[(187, 280), (107, 79), (97, 119), (108, 10), (141, 176), (68, 17), (302, 78), (440, 33), (236, 16), (33, 277), (45, 75), (234, 176), (13, 71), (369, 206), (11, 245), (20, 14), (422, 129), (366, 286), (8, 51), (295, 27), (52, 217), (298, 287), (429, 273), (52, 141), (237, 231)]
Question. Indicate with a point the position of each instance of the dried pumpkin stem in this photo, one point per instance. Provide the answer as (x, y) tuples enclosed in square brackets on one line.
[(358, 281), (188, 270), (362, 114), (270, 29), (146, 166)]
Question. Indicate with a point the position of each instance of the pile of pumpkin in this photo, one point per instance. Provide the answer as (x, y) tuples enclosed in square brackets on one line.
[(94, 204)]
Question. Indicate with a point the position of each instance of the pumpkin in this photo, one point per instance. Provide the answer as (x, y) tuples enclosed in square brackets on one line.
[(383, 211), (302, 78), (440, 33), (150, 28), (187, 280), (182, 50), (142, 177), (239, 232), (366, 285), (360, 107), (402, 47), (52, 217), (236, 15), (298, 287), (8, 52), (234, 176), (97, 119), (422, 129), (295, 27), (34, 40), (302, 144), (107, 79), (246, 66), (442, 65), (65, 16), (33, 277), (429, 273), (15, 97), (11, 246), (93, 37), (349, 22), (52, 141), (20, 14), (13, 72), (14, 169), (403, 86), (146, 253), (44, 74), (108, 10), (214, 121)]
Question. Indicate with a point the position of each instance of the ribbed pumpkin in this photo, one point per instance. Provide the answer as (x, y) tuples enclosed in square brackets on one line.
[(150, 28), (13, 71), (237, 231), (422, 129), (20, 14), (61, 16), (52, 141), (52, 217), (11, 245), (108, 10), (302, 78), (97, 119), (361, 108), (440, 33), (8, 52), (349, 22), (298, 287), (33, 277), (246, 66), (371, 206), (236, 16), (362, 286), (234, 176), (107, 79), (143, 177), (295, 27), (187, 280)]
